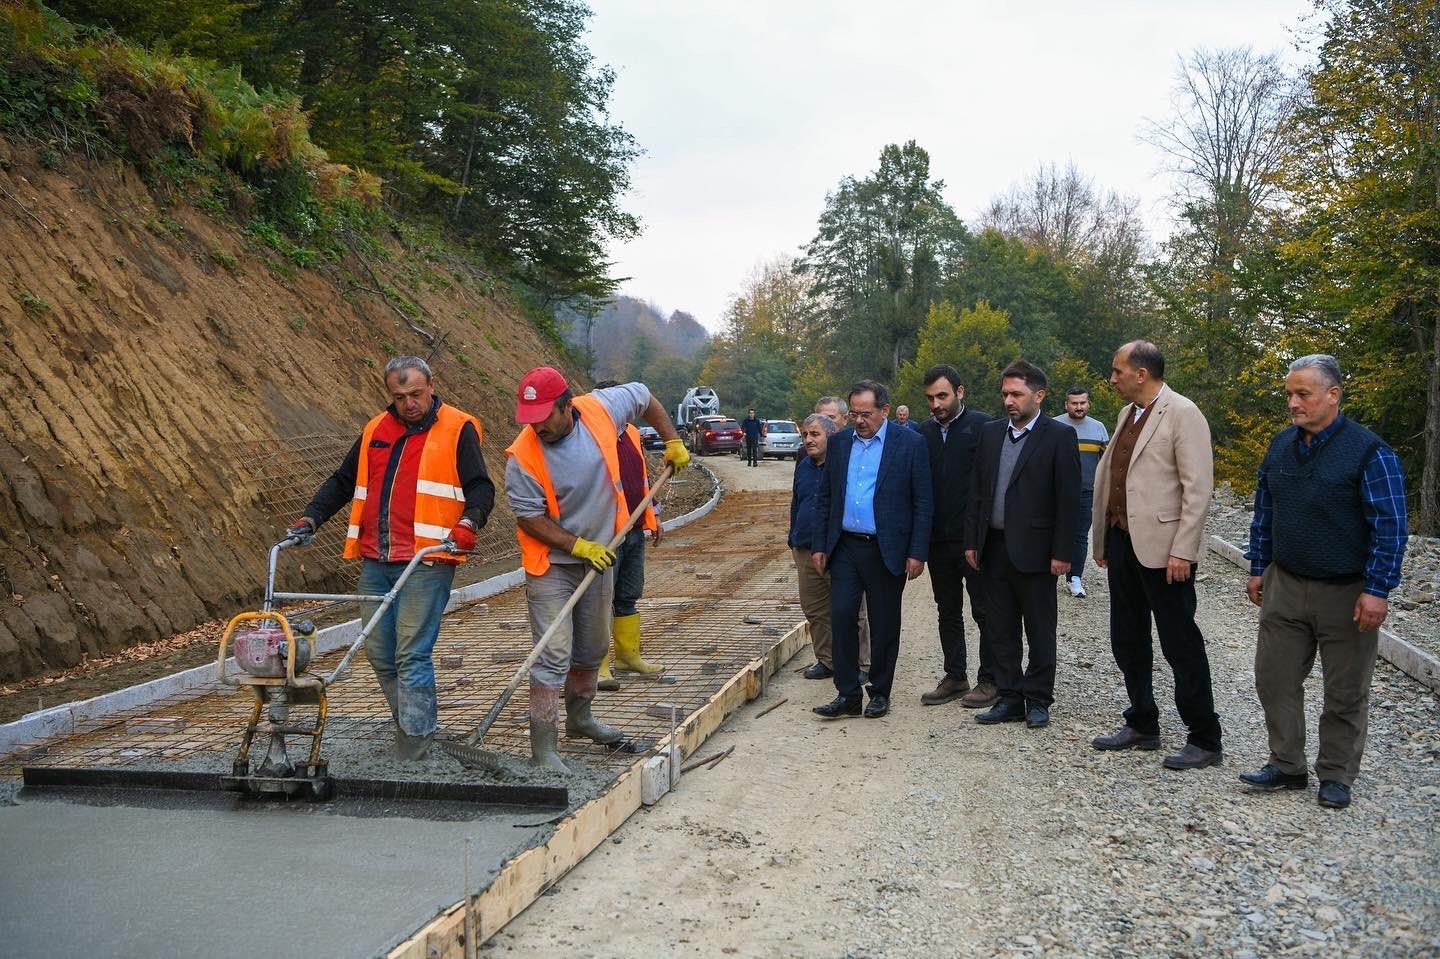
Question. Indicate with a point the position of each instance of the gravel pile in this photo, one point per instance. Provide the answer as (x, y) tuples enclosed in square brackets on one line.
[(1414, 613)]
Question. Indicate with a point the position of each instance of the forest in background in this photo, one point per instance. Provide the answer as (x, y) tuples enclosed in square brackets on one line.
[(1307, 202), (1308, 211), (486, 122)]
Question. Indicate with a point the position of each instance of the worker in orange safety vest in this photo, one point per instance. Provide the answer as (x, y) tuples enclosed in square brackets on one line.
[(414, 478), (563, 482)]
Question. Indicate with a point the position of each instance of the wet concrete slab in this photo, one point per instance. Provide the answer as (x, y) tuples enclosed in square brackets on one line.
[(101, 873)]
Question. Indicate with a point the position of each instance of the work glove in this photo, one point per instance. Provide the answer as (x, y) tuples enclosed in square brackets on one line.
[(676, 454), (302, 529), (599, 558), (463, 536)]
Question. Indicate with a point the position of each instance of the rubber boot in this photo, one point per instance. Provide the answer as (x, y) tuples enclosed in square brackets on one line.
[(627, 645), (607, 681), (415, 730), (387, 689), (580, 722), (544, 734)]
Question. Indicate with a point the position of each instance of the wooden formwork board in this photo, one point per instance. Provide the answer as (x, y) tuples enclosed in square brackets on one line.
[(1404, 656), (528, 875)]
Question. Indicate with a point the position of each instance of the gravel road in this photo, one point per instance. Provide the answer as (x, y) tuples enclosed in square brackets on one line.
[(923, 834)]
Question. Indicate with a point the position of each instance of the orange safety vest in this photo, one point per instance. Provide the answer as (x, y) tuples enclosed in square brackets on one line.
[(439, 497), (529, 452), (648, 521)]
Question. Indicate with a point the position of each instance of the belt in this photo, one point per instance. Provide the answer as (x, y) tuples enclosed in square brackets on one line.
[(864, 537)]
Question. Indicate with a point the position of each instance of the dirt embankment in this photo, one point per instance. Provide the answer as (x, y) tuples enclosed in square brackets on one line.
[(143, 348)]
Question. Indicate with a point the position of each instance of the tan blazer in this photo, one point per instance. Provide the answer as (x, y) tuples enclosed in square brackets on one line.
[(1168, 486)]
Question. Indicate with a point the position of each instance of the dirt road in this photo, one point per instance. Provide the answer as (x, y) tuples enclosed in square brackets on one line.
[(923, 834)]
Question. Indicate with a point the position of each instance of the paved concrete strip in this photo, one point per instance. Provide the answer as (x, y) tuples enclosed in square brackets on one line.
[(82, 880), (1403, 655)]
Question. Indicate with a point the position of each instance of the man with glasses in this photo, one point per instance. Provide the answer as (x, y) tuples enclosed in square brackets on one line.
[(873, 510)]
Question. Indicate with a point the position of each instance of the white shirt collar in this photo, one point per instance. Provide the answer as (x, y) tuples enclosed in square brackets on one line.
[(1026, 427)]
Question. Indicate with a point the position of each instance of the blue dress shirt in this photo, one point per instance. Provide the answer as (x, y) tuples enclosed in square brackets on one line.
[(860, 479)]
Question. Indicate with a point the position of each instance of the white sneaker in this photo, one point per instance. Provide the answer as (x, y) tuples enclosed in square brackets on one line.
[(1077, 589)]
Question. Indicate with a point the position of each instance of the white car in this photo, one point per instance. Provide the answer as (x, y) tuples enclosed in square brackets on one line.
[(781, 440)]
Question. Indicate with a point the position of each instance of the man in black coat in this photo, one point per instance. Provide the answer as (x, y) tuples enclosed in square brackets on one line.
[(951, 435), (1020, 532), (872, 531)]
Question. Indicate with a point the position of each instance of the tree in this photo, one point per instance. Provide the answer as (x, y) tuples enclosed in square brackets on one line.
[(875, 262), (1225, 143), (977, 342), (1022, 281), (1365, 179)]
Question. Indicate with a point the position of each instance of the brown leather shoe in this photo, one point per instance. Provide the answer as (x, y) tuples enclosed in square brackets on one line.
[(984, 694), (1193, 757), (949, 688), (1127, 737)]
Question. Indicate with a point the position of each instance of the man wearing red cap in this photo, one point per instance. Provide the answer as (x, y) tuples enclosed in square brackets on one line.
[(414, 478), (563, 481)]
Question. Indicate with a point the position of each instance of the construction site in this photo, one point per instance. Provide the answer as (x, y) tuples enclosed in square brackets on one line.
[(721, 614), (198, 756)]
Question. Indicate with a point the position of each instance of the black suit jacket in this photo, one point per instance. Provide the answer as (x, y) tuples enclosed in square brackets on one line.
[(951, 464), (1042, 502), (902, 496)]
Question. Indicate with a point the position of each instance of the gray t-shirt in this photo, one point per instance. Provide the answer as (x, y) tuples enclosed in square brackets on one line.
[(1092, 436), (577, 469)]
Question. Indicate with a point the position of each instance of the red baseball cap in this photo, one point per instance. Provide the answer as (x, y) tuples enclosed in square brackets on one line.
[(538, 391)]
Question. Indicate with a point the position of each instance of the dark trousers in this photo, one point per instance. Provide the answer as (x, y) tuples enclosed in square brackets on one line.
[(1017, 599), (1082, 533), (948, 570), (629, 572), (857, 569), (752, 450), (1136, 594)]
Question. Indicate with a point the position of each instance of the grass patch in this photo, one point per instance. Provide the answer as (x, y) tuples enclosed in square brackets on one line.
[(32, 304)]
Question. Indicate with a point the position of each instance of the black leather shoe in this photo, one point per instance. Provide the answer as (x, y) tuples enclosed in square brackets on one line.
[(1269, 778), (1126, 737), (839, 706), (1002, 712), (1193, 757), (1037, 717), (1333, 795), (819, 671), (877, 706)]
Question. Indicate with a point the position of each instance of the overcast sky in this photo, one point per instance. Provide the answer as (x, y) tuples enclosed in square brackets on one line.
[(751, 112)]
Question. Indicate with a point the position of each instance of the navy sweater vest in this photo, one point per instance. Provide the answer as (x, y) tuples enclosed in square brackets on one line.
[(1318, 522)]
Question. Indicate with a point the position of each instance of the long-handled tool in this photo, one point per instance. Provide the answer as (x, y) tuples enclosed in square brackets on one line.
[(469, 751)]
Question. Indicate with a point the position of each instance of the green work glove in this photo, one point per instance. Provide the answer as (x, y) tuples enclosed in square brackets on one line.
[(593, 553), (676, 454)]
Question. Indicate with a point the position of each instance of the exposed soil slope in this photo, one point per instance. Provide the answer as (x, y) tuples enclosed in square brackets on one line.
[(141, 347)]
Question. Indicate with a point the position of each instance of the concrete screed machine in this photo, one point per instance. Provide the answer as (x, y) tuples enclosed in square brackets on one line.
[(271, 654)]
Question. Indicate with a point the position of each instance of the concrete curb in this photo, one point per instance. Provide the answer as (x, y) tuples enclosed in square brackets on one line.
[(1403, 655), (66, 719)]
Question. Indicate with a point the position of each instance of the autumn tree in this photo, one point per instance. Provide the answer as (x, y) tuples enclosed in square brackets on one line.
[(1224, 142), (875, 263), (976, 341), (1364, 176)]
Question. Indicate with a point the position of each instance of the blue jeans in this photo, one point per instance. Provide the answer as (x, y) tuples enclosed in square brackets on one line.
[(401, 643), (629, 573), (1082, 533)]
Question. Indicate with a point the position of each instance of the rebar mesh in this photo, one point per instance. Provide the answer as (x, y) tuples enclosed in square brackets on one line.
[(719, 594)]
